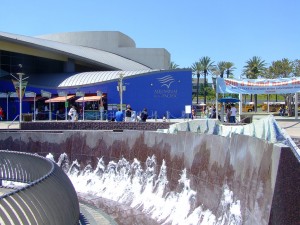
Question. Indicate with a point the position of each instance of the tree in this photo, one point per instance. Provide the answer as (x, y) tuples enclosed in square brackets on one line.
[(283, 69), (173, 66), (219, 69), (197, 68), (207, 67), (296, 68), (229, 67), (254, 68)]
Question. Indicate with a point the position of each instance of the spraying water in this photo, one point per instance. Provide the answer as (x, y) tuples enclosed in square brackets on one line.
[(147, 190)]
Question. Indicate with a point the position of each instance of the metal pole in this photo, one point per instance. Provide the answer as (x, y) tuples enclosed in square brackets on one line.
[(83, 104), (7, 106), (20, 91), (241, 106), (217, 95), (50, 114), (66, 109), (296, 105), (34, 107), (121, 92)]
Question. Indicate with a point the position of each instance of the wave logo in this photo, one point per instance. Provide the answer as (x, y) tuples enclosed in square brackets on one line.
[(166, 81)]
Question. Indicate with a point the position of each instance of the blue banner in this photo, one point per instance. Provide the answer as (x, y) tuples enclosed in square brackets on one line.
[(258, 86)]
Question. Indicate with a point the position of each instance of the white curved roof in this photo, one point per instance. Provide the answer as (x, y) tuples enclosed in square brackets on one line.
[(88, 78), (95, 56)]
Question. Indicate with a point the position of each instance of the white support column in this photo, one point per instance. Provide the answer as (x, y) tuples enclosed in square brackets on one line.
[(296, 105), (241, 106), (217, 96)]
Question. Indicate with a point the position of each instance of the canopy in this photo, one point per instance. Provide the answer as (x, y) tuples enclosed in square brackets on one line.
[(89, 99), (59, 99), (31, 99), (227, 100)]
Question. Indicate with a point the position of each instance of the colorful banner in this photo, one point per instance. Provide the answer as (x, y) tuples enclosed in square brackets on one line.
[(17, 87), (258, 86)]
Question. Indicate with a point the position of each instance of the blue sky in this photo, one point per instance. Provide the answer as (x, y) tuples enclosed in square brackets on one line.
[(224, 30)]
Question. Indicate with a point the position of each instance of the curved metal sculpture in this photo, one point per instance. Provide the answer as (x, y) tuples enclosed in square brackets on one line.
[(48, 196)]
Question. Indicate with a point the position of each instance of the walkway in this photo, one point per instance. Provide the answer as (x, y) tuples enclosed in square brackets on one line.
[(291, 125)]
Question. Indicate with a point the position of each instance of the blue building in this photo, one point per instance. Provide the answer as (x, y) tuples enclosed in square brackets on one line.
[(86, 64)]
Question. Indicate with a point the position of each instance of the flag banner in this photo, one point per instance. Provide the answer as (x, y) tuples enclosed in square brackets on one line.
[(258, 86), (17, 87)]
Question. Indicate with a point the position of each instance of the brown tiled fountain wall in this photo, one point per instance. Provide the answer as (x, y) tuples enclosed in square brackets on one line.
[(263, 176), (93, 125)]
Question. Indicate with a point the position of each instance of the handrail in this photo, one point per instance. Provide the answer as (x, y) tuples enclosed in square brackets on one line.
[(12, 121), (48, 196)]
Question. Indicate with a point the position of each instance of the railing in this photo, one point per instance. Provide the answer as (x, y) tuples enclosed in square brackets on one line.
[(48, 196), (13, 121)]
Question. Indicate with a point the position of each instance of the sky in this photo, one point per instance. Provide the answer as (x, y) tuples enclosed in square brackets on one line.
[(224, 30)]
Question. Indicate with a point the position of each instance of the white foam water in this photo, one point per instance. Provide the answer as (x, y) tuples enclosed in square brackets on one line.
[(145, 189)]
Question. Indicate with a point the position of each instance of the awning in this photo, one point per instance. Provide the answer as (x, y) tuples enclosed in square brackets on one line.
[(89, 99), (31, 99), (59, 99)]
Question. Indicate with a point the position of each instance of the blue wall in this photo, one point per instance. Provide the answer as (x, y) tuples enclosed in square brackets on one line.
[(161, 91)]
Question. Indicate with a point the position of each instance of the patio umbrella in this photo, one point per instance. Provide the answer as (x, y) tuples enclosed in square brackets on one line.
[(227, 100)]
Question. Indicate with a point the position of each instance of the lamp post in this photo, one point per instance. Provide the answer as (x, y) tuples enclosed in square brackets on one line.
[(20, 80), (121, 88)]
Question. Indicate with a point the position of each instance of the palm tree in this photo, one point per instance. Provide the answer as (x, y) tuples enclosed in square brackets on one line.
[(254, 68), (196, 68), (173, 66), (229, 67), (219, 70), (207, 67)]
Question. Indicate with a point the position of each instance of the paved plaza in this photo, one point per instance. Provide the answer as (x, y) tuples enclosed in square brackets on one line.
[(290, 124)]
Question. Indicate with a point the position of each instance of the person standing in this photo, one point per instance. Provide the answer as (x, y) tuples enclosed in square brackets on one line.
[(119, 116), (210, 112), (73, 113), (232, 114), (1, 113), (144, 115), (128, 113), (228, 113), (282, 111)]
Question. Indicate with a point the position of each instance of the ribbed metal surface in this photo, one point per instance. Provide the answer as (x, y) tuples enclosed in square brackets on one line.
[(86, 78), (48, 198), (79, 52)]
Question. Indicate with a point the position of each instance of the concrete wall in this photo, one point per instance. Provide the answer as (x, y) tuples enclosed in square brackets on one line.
[(263, 176), (115, 42)]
